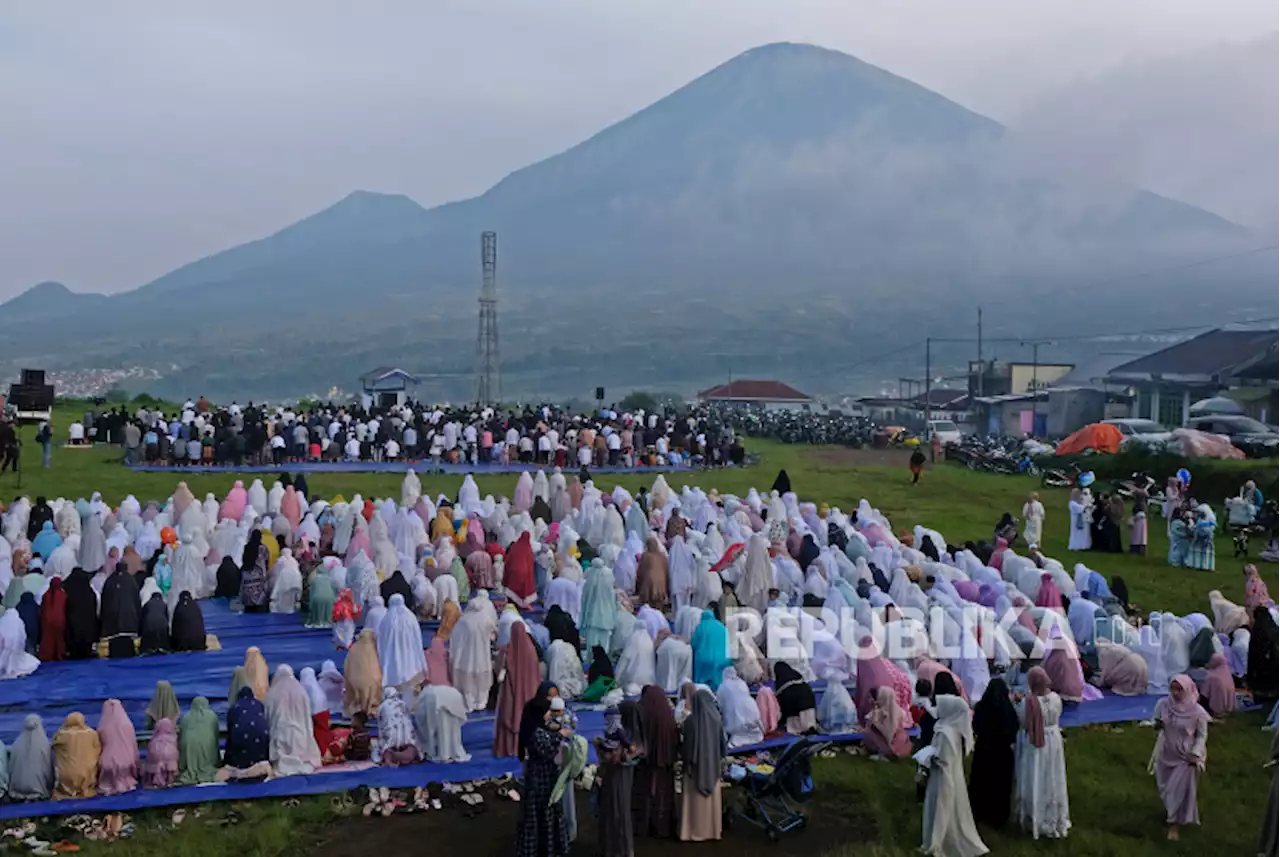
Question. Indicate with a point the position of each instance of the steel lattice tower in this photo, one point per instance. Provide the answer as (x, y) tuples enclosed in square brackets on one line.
[(488, 372)]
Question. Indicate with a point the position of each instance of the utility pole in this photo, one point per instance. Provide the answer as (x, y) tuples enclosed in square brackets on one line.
[(928, 381), (982, 367)]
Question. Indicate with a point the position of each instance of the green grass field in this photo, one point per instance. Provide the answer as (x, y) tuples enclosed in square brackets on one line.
[(1115, 808)]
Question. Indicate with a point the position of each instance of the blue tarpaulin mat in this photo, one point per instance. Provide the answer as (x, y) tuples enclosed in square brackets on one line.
[(58, 688)]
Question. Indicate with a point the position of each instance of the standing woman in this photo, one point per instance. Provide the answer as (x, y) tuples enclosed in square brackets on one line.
[(702, 749), (1182, 731), (616, 776), (1033, 514), (655, 809), (1261, 673), (1081, 521), (542, 831), (1041, 799), (995, 727), (948, 829)]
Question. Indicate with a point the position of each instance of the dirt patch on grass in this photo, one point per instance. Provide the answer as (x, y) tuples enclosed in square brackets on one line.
[(493, 832), (829, 456)]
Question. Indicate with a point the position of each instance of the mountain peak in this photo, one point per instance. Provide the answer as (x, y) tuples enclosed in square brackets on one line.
[(46, 298)]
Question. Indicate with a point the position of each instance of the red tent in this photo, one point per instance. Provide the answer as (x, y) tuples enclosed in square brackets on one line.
[(1100, 437)]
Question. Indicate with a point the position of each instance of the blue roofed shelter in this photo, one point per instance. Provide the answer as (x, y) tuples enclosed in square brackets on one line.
[(387, 386)]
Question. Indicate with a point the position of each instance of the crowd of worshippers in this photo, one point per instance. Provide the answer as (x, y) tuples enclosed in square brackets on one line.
[(635, 590), (202, 434)]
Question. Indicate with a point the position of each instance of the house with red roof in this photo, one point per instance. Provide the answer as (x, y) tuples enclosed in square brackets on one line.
[(770, 395)]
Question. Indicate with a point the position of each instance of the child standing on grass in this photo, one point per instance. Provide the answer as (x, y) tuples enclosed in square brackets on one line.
[(1138, 525), (1182, 730), (917, 465)]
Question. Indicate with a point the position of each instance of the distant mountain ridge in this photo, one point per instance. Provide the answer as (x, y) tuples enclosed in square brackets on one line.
[(47, 299), (787, 178)]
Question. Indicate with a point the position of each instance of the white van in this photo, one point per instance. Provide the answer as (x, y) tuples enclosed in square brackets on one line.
[(945, 430)]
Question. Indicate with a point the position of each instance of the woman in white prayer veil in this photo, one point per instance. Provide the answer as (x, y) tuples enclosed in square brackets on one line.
[(438, 715), (286, 592), (1150, 646), (400, 649), (224, 541), (446, 588), (829, 660), (681, 583), (614, 531), (757, 576), (282, 530), (738, 711), (836, 712), (336, 570), (624, 568), (787, 577), (61, 562), (709, 586), (292, 747), (469, 496), (470, 660), (510, 616), (686, 620), (564, 669), (93, 545), (274, 497), (15, 662), (652, 620), (1023, 575), (67, 520), (713, 544), (345, 529), (673, 663), (814, 583), (971, 666), (948, 828), (749, 662), (1175, 640), (481, 601), (424, 596), (561, 505), (637, 665), (210, 508), (566, 594), (374, 612), (189, 574), (541, 487), (445, 553), (410, 532), (410, 489), (257, 495)]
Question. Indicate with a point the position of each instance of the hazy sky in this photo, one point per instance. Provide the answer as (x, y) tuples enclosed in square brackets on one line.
[(141, 135)]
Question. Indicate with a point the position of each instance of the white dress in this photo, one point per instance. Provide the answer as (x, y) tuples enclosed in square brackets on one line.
[(1033, 514), (674, 664), (1081, 532), (1040, 793), (438, 715)]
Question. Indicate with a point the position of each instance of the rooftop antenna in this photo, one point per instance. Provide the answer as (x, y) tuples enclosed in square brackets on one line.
[(488, 374)]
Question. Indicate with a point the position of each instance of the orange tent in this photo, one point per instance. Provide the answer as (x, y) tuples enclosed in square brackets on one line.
[(1099, 437)]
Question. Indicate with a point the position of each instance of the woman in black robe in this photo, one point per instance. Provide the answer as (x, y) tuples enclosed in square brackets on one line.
[(1261, 669), (995, 728), (300, 485), (397, 585), (155, 626), (600, 664), (560, 626), (82, 615), (29, 612), (1121, 591), (121, 605), (542, 831), (188, 626), (228, 579), (809, 553), (796, 706), (540, 510), (254, 592), (782, 482)]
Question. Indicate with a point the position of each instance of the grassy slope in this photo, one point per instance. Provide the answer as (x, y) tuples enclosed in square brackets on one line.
[(1114, 805)]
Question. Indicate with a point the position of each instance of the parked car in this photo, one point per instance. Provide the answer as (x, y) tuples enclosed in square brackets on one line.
[(1253, 438), (1148, 433), (945, 430)]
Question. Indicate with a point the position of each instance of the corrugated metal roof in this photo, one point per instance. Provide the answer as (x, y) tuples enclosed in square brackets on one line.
[(1205, 356)]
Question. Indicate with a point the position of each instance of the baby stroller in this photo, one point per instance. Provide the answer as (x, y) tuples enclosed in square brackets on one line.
[(772, 801)]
